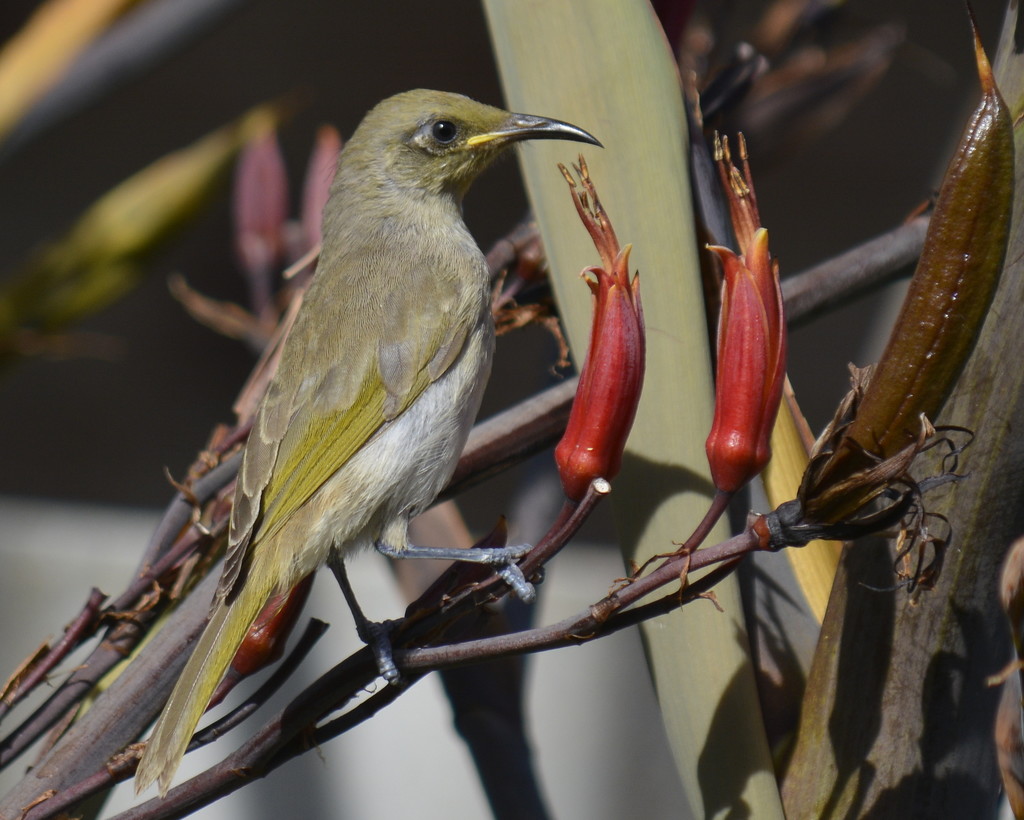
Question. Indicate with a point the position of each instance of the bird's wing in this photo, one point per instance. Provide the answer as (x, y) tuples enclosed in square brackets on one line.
[(327, 402)]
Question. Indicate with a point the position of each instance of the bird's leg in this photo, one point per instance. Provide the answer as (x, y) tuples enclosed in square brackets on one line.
[(503, 559), (374, 634)]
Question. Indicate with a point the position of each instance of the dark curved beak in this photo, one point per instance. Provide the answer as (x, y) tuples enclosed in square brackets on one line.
[(520, 127)]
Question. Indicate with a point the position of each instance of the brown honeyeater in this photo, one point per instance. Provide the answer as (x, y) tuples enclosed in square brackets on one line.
[(379, 380)]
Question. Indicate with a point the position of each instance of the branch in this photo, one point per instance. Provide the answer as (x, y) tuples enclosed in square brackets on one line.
[(122, 766), (290, 732), (27, 679), (853, 273)]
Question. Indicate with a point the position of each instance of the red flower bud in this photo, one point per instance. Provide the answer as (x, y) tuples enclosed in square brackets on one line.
[(613, 371), (751, 364), (265, 641)]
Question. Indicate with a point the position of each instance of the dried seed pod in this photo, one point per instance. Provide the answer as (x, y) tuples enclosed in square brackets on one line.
[(947, 301)]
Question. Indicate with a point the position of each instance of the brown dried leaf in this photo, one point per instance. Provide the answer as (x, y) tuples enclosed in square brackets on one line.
[(10, 687)]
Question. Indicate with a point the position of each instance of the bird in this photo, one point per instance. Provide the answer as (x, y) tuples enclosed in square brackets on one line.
[(378, 384)]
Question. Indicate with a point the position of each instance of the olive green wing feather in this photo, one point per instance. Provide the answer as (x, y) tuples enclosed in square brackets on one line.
[(327, 401)]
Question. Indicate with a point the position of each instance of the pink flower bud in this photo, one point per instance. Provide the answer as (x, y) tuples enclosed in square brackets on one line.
[(260, 205), (319, 175)]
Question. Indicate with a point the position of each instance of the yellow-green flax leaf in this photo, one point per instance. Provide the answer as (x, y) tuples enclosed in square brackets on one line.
[(605, 66), (100, 257), (34, 58), (815, 564)]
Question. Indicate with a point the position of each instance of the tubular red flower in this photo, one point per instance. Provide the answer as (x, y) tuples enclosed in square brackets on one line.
[(613, 372), (610, 382), (751, 365)]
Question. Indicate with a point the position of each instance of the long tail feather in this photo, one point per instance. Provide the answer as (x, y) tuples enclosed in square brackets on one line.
[(191, 695)]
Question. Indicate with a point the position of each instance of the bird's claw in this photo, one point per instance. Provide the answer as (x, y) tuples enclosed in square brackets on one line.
[(513, 576), (377, 636)]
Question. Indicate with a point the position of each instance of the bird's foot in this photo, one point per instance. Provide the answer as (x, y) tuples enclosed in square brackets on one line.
[(503, 559), (375, 634)]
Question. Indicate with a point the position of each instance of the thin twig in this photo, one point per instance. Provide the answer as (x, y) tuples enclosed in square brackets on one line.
[(577, 629), (177, 517), (125, 767), (68, 641), (483, 590)]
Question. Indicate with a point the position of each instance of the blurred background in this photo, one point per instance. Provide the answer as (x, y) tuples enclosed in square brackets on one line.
[(85, 440)]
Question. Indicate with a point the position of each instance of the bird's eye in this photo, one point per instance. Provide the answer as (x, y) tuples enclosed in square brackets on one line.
[(444, 131)]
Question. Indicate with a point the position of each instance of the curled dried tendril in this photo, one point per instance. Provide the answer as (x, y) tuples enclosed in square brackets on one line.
[(892, 500)]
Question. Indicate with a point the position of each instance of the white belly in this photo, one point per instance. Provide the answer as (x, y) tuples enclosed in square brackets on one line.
[(399, 472)]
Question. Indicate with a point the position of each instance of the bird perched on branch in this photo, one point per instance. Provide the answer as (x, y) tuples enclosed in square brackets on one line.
[(378, 384)]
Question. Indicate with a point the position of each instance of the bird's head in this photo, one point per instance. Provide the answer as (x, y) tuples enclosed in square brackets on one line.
[(438, 142)]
